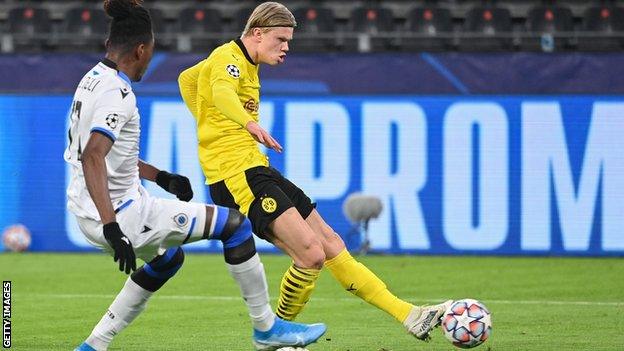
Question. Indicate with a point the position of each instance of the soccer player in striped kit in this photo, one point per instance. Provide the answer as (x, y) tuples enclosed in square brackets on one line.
[(223, 94)]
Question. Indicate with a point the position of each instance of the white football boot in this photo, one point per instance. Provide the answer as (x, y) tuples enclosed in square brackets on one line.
[(422, 319)]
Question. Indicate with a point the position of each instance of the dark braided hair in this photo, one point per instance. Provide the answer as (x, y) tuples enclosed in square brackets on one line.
[(131, 24)]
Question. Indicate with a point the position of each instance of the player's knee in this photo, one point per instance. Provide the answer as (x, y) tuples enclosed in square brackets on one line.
[(234, 220), (312, 256), (334, 243), (153, 275), (327, 231), (178, 258), (240, 253), (330, 239), (166, 265), (236, 231)]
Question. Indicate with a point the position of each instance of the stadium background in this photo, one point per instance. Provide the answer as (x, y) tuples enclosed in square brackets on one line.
[(485, 127)]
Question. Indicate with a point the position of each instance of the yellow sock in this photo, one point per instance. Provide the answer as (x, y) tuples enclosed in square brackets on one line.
[(295, 289), (363, 283)]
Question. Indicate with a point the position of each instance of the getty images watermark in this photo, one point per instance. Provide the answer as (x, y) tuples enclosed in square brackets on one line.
[(6, 314)]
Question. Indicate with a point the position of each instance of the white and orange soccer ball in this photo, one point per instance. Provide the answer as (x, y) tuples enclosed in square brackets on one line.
[(467, 323), (16, 238)]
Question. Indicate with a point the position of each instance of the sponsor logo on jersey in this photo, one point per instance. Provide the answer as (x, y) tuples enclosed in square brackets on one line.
[(269, 205), (233, 71), (252, 106), (124, 93), (180, 219)]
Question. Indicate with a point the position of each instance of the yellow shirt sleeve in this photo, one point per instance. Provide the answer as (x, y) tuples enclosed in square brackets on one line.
[(187, 82), (223, 76), (227, 102)]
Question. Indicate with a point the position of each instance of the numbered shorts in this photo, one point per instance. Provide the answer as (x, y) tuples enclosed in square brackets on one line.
[(152, 224), (262, 194)]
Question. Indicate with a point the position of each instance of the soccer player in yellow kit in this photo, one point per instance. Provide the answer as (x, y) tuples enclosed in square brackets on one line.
[(223, 94)]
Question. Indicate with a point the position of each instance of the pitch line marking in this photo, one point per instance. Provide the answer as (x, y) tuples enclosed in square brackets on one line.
[(343, 299)]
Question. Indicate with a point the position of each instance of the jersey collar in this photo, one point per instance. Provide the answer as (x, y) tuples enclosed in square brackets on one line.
[(108, 63), (240, 44)]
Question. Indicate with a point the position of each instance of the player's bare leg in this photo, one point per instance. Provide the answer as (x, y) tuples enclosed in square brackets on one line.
[(293, 235), (239, 250)]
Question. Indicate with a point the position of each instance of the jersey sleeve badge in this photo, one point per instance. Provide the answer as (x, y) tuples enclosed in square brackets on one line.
[(233, 71), (112, 120)]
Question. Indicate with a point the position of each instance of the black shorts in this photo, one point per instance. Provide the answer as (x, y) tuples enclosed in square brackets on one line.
[(262, 194)]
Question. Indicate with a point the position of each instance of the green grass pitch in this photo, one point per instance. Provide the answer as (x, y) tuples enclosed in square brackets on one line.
[(536, 303)]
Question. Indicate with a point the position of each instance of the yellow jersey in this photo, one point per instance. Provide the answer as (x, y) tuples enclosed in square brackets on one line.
[(223, 94)]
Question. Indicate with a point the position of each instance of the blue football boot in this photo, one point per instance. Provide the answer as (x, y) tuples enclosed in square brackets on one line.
[(84, 347), (285, 333)]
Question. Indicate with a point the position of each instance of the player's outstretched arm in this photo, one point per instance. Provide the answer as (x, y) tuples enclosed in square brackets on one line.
[(94, 169), (176, 184)]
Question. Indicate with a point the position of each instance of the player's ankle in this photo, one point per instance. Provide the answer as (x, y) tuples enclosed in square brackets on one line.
[(97, 343), (264, 323)]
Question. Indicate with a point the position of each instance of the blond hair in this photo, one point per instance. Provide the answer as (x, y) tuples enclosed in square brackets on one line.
[(267, 15)]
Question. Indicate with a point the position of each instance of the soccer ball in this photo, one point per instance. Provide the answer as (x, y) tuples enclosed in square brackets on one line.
[(467, 323), (16, 238)]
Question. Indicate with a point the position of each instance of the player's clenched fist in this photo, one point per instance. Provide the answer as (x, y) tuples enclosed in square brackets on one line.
[(178, 185)]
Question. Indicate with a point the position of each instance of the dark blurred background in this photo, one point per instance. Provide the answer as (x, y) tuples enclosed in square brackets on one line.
[(332, 26)]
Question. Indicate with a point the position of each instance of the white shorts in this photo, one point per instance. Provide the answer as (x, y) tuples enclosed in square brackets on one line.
[(152, 224)]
